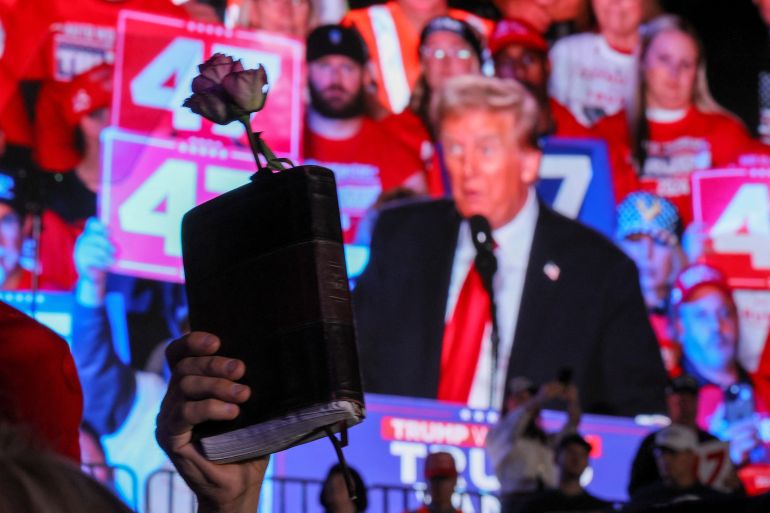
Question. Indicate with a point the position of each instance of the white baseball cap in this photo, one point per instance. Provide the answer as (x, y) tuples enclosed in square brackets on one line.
[(677, 438)]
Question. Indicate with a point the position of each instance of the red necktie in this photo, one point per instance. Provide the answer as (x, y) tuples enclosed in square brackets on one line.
[(462, 340)]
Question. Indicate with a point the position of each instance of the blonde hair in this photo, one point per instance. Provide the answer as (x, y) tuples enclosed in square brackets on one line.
[(701, 95), (473, 92), (38, 481)]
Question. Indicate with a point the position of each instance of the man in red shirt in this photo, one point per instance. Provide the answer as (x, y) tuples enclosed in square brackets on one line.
[(339, 135), (706, 325), (520, 52)]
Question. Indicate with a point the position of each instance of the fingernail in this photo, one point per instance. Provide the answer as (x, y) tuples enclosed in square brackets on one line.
[(208, 342), (237, 389), (231, 409), (231, 366)]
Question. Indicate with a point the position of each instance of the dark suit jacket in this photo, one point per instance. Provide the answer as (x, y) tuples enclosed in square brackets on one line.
[(592, 318)]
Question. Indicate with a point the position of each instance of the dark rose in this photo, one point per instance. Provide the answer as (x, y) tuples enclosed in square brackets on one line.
[(248, 89), (201, 84), (211, 106), (224, 91), (218, 66)]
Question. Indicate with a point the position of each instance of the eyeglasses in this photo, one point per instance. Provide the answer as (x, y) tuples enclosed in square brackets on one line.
[(443, 53)]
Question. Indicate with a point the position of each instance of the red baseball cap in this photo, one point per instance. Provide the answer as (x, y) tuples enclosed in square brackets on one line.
[(516, 31), (440, 464), (59, 110), (695, 276), (39, 386)]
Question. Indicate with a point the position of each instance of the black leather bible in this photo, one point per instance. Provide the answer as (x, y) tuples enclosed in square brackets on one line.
[(265, 271)]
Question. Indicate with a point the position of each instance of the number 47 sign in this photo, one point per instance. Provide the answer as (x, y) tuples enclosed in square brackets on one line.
[(157, 58), (159, 160), (149, 183), (734, 205)]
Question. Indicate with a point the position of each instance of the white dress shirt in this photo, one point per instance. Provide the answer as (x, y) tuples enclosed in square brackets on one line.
[(514, 241)]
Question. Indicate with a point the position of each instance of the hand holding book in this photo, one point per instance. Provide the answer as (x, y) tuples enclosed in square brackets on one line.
[(265, 270), (203, 388)]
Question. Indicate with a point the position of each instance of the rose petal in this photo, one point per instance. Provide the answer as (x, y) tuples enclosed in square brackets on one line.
[(210, 106), (217, 67), (262, 74), (217, 59), (202, 84), (246, 88)]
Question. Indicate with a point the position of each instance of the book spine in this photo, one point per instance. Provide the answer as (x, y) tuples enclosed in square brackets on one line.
[(335, 301)]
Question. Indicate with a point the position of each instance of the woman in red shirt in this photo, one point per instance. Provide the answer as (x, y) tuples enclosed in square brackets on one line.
[(675, 127)]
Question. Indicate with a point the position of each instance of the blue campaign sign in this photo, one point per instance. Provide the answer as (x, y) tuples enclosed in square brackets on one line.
[(390, 447), (575, 180)]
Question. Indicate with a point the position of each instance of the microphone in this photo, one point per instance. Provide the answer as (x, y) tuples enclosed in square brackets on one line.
[(486, 266), (486, 261)]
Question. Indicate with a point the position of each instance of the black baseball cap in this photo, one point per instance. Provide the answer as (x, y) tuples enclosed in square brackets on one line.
[(336, 40), (457, 27)]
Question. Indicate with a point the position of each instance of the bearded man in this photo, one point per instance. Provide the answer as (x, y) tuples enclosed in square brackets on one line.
[(339, 134)]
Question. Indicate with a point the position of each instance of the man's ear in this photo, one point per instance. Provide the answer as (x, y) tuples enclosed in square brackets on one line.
[(530, 164)]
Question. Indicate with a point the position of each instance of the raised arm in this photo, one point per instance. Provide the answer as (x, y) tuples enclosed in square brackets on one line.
[(203, 388), (108, 384)]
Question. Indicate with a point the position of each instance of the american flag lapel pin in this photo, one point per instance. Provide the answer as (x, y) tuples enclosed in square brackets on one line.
[(551, 270)]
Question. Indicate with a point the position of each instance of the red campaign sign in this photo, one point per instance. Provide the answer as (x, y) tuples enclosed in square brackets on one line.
[(433, 432), (734, 205), (149, 183), (157, 58), (459, 434)]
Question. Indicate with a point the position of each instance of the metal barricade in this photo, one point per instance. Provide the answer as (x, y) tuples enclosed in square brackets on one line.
[(166, 492), (298, 495), (110, 475)]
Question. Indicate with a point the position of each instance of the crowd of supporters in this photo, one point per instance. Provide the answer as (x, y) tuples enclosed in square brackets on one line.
[(667, 91)]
